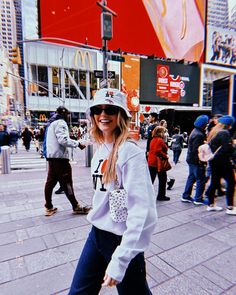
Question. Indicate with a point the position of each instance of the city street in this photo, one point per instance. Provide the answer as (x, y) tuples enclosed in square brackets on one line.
[(193, 252)]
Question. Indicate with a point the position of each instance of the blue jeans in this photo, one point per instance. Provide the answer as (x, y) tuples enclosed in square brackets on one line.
[(93, 262), (176, 155), (197, 173)]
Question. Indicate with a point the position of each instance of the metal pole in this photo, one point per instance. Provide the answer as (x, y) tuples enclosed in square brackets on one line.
[(89, 148), (105, 61), (5, 159)]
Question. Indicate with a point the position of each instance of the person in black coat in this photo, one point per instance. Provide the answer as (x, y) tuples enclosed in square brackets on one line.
[(197, 169), (4, 136), (27, 135), (221, 165), (13, 139)]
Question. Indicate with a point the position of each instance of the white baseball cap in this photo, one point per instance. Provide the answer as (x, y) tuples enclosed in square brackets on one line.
[(110, 96)]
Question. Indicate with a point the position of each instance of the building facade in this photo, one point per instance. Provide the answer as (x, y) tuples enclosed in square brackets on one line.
[(61, 75)]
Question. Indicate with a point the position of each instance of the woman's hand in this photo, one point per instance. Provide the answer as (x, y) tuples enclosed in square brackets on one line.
[(108, 281)]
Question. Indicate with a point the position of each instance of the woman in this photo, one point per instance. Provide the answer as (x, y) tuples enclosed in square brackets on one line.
[(113, 253), (163, 123), (158, 148), (170, 180), (221, 165)]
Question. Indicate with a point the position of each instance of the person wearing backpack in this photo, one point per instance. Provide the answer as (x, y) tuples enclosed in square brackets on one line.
[(221, 165)]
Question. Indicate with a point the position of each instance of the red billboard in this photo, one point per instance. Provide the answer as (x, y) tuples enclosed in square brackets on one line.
[(148, 27)]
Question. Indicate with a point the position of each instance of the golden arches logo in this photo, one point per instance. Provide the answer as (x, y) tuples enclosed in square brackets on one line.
[(83, 55)]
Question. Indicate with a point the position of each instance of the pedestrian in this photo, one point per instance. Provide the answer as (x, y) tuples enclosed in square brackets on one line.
[(113, 254), (213, 122), (197, 169), (221, 165), (13, 140), (163, 123), (170, 180), (39, 137), (56, 152), (27, 136), (4, 136), (177, 142), (158, 148), (153, 122)]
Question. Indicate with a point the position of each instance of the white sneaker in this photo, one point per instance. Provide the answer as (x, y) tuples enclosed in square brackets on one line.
[(214, 208), (231, 211)]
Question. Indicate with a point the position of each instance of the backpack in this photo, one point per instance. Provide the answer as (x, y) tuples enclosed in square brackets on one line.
[(205, 153)]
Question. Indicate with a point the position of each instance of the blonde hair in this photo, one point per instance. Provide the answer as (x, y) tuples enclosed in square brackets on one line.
[(215, 130), (159, 131), (121, 134)]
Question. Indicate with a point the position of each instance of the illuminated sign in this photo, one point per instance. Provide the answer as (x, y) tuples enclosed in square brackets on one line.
[(169, 83)]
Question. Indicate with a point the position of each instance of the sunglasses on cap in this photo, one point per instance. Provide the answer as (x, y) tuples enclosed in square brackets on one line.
[(109, 110)]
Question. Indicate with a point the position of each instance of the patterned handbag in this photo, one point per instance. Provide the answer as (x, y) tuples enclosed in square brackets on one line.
[(118, 203)]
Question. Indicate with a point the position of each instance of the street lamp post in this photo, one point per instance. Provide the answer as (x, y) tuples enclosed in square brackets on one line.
[(106, 34)]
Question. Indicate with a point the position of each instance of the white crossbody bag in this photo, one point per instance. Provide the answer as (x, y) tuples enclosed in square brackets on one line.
[(118, 203)]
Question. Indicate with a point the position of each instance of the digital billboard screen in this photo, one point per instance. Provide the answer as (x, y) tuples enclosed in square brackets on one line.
[(169, 83), (148, 27), (221, 32)]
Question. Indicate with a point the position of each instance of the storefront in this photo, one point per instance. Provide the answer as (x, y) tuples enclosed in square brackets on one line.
[(62, 75)]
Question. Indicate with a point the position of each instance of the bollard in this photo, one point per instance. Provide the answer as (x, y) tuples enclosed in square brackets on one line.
[(5, 159), (88, 155)]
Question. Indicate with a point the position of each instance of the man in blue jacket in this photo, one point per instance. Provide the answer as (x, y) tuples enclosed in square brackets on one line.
[(197, 169), (56, 152)]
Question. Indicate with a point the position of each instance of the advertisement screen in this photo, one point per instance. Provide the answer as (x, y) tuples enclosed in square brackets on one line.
[(221, 32), (148, 27), (169, 83)]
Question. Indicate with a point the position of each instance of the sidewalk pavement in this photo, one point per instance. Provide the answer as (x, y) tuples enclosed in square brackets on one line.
[(192, 252)]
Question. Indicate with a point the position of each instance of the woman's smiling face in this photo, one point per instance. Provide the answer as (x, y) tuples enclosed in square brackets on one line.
[(107, 123)]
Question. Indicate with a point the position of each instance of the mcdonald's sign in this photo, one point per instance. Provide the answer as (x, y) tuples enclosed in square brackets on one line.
[(42, 117), (83, 59)]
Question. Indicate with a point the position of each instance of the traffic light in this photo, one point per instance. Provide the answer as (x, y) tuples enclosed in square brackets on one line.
[(106, 23), (15, 55), (5, 81)]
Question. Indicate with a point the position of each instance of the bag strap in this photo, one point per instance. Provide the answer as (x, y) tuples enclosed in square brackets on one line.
[(216, 151), (117, 185)]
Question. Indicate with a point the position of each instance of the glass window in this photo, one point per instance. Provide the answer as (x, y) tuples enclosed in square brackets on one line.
[(43, 80), (39, 85), (56, 81)]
